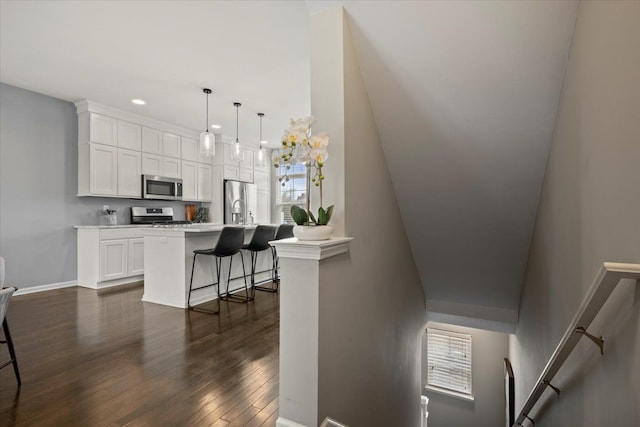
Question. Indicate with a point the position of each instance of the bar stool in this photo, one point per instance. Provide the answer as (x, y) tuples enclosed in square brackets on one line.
[(259, 242), (229, 243), (285, 231), (5, 296)]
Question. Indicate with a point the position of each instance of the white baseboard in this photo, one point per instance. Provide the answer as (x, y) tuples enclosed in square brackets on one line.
[(112, 283), (48, 287), (283, 422)]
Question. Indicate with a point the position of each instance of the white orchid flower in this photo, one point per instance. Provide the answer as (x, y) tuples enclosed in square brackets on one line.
[(320, 140), (301, 125), (293, 137), (319, 155)]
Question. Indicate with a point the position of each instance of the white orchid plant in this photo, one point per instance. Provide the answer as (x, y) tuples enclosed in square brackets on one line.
[(300, 146)]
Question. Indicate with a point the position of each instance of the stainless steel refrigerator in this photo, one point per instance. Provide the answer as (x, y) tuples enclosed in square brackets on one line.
[(240, 202)]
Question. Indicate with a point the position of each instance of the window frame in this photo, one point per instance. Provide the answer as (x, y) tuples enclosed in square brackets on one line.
[(441, 387), (280, 205)]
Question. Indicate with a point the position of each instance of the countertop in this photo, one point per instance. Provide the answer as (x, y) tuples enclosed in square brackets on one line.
[(189, 228)]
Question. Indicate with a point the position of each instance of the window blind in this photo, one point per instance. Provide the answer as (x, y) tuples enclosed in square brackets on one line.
[(293, 192), (449, 360)]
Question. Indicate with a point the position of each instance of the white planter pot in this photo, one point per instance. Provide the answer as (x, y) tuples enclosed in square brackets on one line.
[(312, 232), (112, 219)]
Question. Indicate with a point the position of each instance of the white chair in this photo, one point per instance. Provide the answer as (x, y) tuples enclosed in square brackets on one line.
[(5, 296)]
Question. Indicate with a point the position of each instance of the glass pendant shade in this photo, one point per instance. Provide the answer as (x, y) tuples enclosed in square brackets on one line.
[(207, 139), (207, 144), (261, 158), (237, 150)]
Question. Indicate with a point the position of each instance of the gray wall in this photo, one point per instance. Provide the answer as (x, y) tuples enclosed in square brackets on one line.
[(589, 213), (38, 187), (371, 303), (488, 408)]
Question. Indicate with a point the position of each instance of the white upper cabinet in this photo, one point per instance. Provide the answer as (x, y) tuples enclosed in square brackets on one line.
[(171, 145), (204, 182), (189, 149), (116, 147), (129, 173), (204, 159), (247, 159), (103, 170), (262, 180), (129, 135), (263, 207), (151, 164), (151, 140), (103, 129), (235, 170), (246, 175), (189, 181), (267, 161), (228, 154), (171, 167)]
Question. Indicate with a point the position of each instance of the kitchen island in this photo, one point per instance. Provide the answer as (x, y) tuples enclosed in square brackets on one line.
[(168, 256)]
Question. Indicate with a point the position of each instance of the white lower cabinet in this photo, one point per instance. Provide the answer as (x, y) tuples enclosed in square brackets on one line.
[(113, 259), (110, 256), (136, 257)]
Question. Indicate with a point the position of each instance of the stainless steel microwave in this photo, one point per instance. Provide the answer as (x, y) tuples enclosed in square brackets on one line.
[(161, 188)]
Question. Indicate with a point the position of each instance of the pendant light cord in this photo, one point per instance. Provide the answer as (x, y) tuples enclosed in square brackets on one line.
[(207, 92)]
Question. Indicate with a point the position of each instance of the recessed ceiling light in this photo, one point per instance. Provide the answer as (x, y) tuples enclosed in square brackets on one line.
[(215, 126), (264, 142), (138, 101)]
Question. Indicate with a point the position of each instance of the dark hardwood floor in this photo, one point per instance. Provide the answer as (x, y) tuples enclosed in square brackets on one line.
[(108, 359)]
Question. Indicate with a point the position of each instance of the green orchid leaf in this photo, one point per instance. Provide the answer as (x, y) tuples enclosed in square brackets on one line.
[(299, 215), (313, 219), (329, 213), (322, 217)]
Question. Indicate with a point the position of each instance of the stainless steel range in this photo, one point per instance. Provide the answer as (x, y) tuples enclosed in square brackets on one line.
[(154, 216)]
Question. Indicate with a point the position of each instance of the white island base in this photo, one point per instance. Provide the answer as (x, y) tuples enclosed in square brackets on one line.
[(168, 256)]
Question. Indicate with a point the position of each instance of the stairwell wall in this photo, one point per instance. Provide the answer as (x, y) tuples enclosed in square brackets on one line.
[(372, 304), (589, 213)]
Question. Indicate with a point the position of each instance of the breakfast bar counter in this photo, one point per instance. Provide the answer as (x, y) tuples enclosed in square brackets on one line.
[(168, 257)]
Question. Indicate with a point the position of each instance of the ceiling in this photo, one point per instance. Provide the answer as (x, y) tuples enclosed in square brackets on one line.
[(165, 52), (465, 97), (464, 94)]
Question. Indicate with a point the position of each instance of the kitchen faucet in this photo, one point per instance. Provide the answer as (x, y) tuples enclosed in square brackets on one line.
[(234, 211)]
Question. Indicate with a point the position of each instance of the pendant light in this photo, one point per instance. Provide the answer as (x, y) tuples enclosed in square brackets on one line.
[(261, 155), (237, 149), (207, 139)]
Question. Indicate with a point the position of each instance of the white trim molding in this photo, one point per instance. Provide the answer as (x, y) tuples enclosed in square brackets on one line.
[(311, 249), (283, 422), (91, 106), (47, 287), (473, 316), (457, 395)]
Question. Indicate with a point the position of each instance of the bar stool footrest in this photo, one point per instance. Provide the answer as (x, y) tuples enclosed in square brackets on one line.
[(204, 310), (235, 298)]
